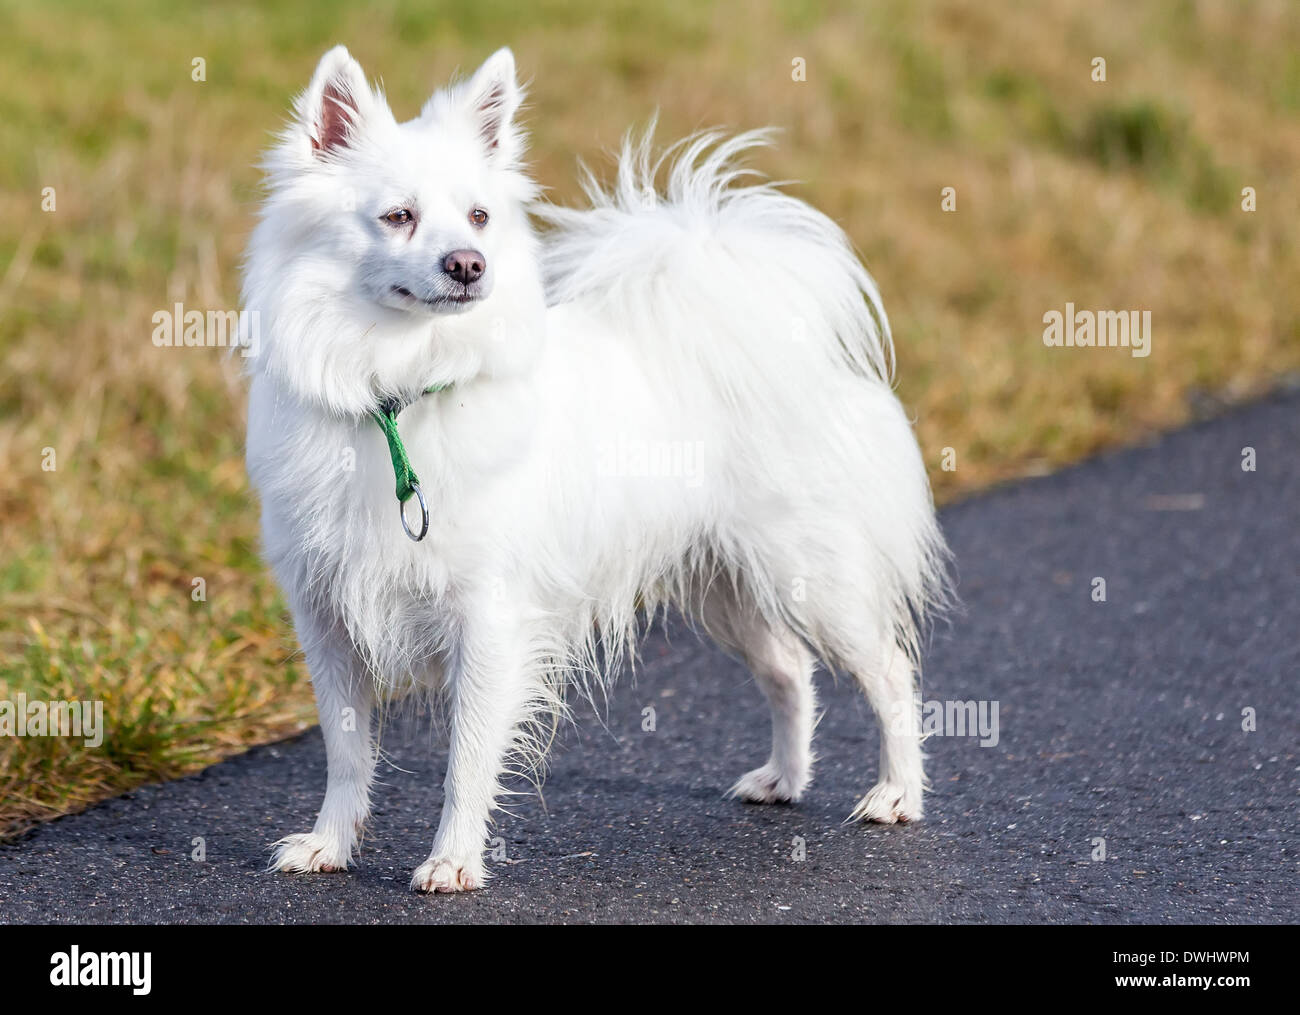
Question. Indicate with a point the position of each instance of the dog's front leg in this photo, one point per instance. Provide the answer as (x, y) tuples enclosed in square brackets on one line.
[(489, 699), (345, 695)]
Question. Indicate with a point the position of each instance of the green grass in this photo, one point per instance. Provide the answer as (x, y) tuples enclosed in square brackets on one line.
[(1123, 194)]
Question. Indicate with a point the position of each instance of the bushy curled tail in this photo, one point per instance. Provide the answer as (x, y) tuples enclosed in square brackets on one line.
[(681, 242), (736, 295)]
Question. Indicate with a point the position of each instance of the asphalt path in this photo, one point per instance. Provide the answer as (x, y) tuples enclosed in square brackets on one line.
[(1119, 721)]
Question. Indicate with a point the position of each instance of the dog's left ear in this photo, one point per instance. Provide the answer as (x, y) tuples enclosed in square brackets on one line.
[(491, 99)]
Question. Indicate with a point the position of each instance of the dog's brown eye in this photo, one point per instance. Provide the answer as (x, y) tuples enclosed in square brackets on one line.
[(400, 217), (479, 217)]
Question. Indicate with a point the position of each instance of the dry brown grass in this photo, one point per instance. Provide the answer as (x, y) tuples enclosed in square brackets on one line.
[(1116, 195)]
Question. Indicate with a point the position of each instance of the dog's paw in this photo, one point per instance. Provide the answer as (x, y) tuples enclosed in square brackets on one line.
[(768, 785), (441, 875), (888, 803), (308, 853)]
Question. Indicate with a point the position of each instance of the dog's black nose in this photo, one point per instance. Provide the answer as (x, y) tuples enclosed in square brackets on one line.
[(465, 266)]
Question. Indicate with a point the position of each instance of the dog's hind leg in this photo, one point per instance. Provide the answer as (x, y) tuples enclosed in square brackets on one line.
[(889, 683), (345, 695), (783, 667)]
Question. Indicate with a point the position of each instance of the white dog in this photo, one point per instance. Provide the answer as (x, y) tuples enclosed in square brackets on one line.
[(667, 400)]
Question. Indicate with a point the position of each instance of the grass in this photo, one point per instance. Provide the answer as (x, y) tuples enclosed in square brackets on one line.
[(1122, 194)]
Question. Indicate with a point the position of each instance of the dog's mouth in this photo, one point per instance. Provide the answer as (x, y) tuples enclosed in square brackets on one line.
[(463, 296)]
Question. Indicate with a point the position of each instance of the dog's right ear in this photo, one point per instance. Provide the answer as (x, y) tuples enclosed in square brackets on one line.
[(336, 104)]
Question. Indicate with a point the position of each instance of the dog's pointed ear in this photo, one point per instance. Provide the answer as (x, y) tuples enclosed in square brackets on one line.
[(490, 99), (494, 97), (336, 104)]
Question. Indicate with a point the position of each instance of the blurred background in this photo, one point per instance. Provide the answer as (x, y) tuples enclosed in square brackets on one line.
[(127, 185)]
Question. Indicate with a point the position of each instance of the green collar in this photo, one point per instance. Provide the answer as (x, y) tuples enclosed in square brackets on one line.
[(407, 481)]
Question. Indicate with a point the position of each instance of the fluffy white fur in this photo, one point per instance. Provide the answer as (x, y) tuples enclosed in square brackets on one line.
[(723, 325)]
